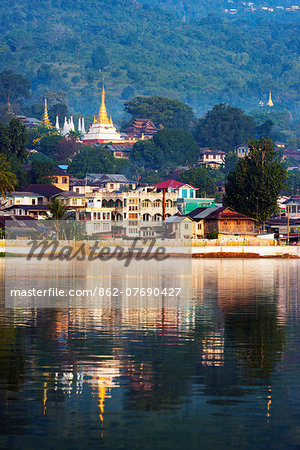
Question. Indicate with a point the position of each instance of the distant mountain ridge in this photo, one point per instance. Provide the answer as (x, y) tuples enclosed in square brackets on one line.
[(150, 52)]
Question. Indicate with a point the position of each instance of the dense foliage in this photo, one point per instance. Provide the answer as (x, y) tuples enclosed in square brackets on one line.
[(201, 178), (168, 148), (13, 87), (164, 112), (255, 185), (216, 59), (224, 127), (8, 179), (93, 160)]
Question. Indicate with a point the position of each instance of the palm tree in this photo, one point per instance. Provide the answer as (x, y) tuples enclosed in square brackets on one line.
[(8, 179), (57, 212)]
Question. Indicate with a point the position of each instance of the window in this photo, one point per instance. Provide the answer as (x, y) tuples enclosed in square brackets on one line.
[(199, 226), (18, 201), (77, 190), (145, 204), (55, 180), (33, 201), (111, 186), (157, 203), (191, 193), (64, 180), (184, 193), (186, 226)]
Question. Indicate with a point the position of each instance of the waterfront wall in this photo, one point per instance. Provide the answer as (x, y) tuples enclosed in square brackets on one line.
[(181, 247)]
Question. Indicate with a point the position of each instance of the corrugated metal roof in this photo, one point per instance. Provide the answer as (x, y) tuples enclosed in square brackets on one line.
[(175, 219), (201, 213)]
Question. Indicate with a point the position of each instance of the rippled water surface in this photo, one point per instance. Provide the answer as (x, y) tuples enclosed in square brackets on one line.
[(217, 367)]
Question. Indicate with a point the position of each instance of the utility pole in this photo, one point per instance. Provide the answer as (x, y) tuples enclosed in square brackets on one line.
[(288, 226), (164, 205)]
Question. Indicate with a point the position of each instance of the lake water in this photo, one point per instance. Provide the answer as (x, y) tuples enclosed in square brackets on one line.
[(217, 366)]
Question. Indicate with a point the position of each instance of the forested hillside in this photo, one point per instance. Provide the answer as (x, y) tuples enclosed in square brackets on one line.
[(195, 9), (61, 45)]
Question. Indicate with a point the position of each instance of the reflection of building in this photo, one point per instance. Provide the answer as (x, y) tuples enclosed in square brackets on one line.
[(213, 349)]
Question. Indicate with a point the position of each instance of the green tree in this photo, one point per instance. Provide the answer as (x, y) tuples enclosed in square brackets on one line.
[(224, 127), (178, 146), (99, 58), (41, 171), (265, 129), (146, 154), (168, 148), (292, 185), (13, 86), (201, 178), (48, 144), (17, 136), (59, 109), (127, 93), (253, 188), (13, 138), (92, 160), (8, 179), (230, 162), (57, 212), (163, 111)]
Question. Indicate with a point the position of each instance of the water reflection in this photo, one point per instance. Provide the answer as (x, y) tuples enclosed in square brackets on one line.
[(223, 358)]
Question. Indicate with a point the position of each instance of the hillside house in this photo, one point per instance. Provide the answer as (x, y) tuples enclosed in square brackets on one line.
[(209, 157)]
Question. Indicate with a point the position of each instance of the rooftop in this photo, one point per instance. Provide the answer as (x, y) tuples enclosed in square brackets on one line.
[(46, 190), (172, 184)]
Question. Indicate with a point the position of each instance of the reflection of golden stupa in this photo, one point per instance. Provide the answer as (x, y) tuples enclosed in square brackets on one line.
[(102, 129), (270, 102)]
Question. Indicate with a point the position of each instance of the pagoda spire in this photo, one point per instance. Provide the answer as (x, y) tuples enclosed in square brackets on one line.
[(9, 107), (103, 119), (270, 102), (57, 123), (82, 125), (46, 121)]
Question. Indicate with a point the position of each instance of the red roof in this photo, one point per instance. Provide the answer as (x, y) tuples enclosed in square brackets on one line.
[(172, 184)]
